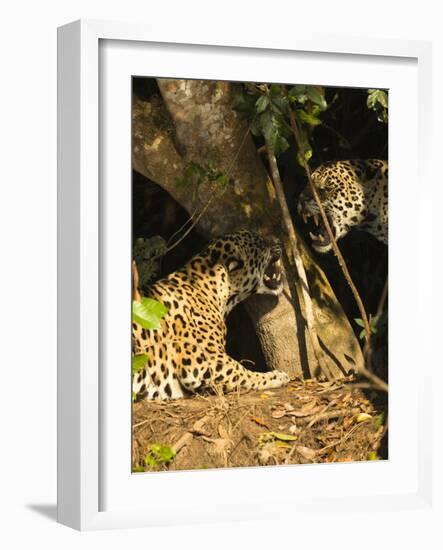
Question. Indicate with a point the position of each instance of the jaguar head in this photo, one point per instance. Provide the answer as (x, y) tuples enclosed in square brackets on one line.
[(252, 264), (342, 203)]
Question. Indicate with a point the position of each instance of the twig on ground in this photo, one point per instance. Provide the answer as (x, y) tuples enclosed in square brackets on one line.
[(141, 423), (187, 437), (342, 440), (321, 414), (313, 419)]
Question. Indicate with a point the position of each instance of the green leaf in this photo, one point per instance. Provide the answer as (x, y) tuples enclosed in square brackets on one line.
[(279, 104), (158, 455), (195, 174), (283, 437), (275, 90), (191, 176), (223, 180), (138, 469), (163, 452), (147, 253), (315, 110), (360, 323), (307, 118), (266, 123), (307, 156), (377, 96), (297, 94), (151, 461), (262, 103), (244, 104), (280, 144), (256, 127), (274, 131), (148, 312), (138, 362), (316, 95), (377, 100)]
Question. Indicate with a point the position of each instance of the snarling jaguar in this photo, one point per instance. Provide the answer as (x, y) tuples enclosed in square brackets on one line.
[(187, 354), (354, 195)]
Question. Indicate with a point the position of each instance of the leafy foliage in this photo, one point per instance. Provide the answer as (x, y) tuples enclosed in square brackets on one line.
[(333, 122), (138, 362), (195, 174), (159, 455), (275, 130), (267, 107), (378, 102), (303, 94), (148, 312), (375, 324), (147, 254)]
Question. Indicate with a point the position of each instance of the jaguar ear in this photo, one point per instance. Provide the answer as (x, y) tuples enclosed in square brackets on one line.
[(233, 264)]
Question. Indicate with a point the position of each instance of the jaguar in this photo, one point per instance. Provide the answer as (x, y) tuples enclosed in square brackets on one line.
[(187, 354), (354, 195)]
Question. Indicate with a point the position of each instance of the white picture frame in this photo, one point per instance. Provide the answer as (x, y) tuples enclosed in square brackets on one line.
[(86, 473)]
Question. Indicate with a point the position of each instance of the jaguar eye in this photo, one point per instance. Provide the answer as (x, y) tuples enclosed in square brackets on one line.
[(233, 264)]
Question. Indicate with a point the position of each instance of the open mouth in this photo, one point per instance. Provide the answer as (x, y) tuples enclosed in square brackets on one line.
[(272, 278), (317, 230)]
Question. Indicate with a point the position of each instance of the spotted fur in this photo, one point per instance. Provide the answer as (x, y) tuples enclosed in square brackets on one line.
[(187, 354), (354, 194)]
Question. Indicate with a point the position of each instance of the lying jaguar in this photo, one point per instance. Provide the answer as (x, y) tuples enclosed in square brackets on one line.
[(354, 194), (187, 354)]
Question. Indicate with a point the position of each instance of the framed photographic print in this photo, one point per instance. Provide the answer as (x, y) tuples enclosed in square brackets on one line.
[(231, 272)]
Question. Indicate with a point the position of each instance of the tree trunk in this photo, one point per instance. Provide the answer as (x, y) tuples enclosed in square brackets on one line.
[(194, 121)]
